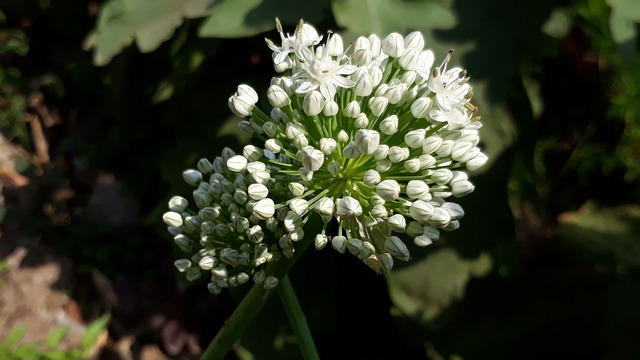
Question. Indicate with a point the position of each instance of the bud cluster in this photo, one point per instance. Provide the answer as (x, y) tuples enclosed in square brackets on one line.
[(373, 139)]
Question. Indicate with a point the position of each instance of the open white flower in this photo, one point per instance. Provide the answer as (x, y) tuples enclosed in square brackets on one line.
[(324, 73), (305, 35)]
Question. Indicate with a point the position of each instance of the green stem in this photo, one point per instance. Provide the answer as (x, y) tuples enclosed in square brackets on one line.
[(248, 308), (297, 319)]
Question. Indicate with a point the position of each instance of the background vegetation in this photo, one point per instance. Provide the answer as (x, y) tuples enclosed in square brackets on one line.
[(111, 100)]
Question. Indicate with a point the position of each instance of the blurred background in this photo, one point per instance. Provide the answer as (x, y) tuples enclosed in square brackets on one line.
[(103, 104)]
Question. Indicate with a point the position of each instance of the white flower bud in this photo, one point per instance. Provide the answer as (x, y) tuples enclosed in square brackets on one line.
[(312, 159), (173, 231), (352, 109), (283, 66), (393, 45), (431, 144), (351, 151), (473, 152), (445, 148), (252, 153), (412, 165), (389, 125), (375, 45), (367, 141), (458, 175), (178, 204), (334, 45), (342, 136), (422, 240), (257, 127), (339, 243), (293, 130), (299, 206), (389, 190), (420, 107), (243, 101), (455, 210), (395, 94), (371, 177), (256, 166), (324, 206), (261, 176), (264, 209), (258, 191), (414, 40), (397, 154), (408, 59), (376, 200), (241, 224), (273, 145), (421, 211), (394, 246), (362, 121), (477, 162), (292, 221), (362, 57), (440, 218), (331, 108), (278, 98), (182, 264), (379, 211), (259, 276), (296, 188), (230, 256), (453, 225), (272, 224), (321, 241), (334, 168), (193, 273), (172, 218), (381, 152), (364, 85), (328, 145), (349, 207), (207, 263), (387, 262), (397, 223), (313, 103), (270, 282), (409, 78), (415, 138), (460, 149), (305, 175), (418, 189), (378, 104), (205, 166), (426, 161), (192, 177), (414, 229), (237, 163), (301, 141), (442, 176), (354, 246), (240, 196), (362, 43), (255, 234), (383, 165), (461, 188)]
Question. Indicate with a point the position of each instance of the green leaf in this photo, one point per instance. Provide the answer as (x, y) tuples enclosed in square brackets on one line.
[(148, 22), (426, 288), (385, 16), (93, 331), (622, 29), (56, 336), (607, 235), (629, 9), (15, 335), (242, 18)]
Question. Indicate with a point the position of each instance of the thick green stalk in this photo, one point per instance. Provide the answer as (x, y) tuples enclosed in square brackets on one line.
[(297, 319), (248, 308)]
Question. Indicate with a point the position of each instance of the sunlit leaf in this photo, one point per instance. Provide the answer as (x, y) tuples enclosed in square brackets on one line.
[(427, 288), (629, 9), (241, 18), (148, 22)]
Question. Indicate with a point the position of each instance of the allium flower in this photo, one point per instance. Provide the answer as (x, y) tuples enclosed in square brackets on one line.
[(232, 228), (304, 35), (371, 141)]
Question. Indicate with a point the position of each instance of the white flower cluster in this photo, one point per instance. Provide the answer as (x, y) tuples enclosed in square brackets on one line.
[(230, 234), (375, 136), (373, 139)]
